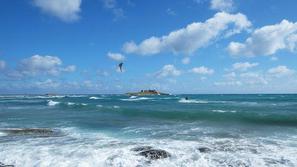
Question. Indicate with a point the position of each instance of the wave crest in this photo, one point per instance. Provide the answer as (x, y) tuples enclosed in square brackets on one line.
[(52, 103)]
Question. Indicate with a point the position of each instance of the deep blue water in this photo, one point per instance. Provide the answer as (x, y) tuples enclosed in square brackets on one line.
[(101, 130)]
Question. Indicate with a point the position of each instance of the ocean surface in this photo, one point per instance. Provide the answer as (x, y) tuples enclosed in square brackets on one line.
[(102, 130)]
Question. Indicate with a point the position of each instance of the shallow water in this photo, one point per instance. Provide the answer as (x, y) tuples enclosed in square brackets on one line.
[(102, 130)]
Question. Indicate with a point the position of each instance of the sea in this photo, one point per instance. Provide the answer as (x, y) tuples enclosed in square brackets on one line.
[(217, 130)]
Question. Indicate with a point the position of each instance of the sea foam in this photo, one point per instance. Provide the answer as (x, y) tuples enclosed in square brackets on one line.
[(52, 103), (192, 101), (94, 98), (137, 99), (224, 111)]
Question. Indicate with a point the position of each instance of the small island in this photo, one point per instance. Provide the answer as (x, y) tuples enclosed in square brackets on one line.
[(146, 93)]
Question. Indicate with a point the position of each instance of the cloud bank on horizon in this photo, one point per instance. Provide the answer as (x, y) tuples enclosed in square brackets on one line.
[(223, 51)]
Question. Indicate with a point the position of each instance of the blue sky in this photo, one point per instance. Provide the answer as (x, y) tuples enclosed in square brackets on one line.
[(190, 46)]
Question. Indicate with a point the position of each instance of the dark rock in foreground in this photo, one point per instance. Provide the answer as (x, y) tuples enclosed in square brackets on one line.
[(155, 154), (151, 153)]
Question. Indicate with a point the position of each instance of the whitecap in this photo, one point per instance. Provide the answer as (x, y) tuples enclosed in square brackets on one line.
[(83, 104), (52, 103), (76, 95), (137, 99), (94, 98), (224, 111), (116, 106), (3, 134), (99, 105), (70, 103), (55, 96), (192, 101)]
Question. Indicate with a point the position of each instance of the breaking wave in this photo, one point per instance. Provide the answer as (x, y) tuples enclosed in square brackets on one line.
[(52, 103), (192, 101)]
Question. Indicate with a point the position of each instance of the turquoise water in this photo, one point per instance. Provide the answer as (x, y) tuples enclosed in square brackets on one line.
[(101, 130)]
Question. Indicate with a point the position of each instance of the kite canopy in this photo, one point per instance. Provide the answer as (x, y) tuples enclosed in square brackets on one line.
[(121, 66)]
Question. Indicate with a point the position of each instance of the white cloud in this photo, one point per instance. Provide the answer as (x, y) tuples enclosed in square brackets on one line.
[(66, 10), (202, 70), (186, 60), (267, 40), (243, 66), (230, 75), (2, 64), (168, 70), (280, 71), (222, 5), (273, 58), (37, 64), (194, 36), (47, 84), (116, 56), (91, 84), (70, 68), (228, 83), (102, 73), (170, 12), (113, 7), (253, 78)]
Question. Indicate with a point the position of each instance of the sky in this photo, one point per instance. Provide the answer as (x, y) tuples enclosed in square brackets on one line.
[(189, 46)]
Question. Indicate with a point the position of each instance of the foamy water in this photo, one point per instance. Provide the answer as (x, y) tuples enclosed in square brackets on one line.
[(224, 111), (135, 98), (97, 149), (52, 103), (205, 130), (192, 101)]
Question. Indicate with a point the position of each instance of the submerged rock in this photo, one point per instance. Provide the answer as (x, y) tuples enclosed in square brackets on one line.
[(155, 154), (204, 149), (43, 132), (3, 165), (141, 148)]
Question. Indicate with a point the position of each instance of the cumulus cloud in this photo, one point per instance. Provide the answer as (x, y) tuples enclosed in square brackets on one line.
[(2, 64), (194, 36), (66, 10), (202, 70), (243, 66), (41, 64), (48, 65), (267, 40), (222, 5), (168, 70), (281, 71), (116, 56)]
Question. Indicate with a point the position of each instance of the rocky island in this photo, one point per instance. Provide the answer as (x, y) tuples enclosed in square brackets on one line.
[(146, 93)]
